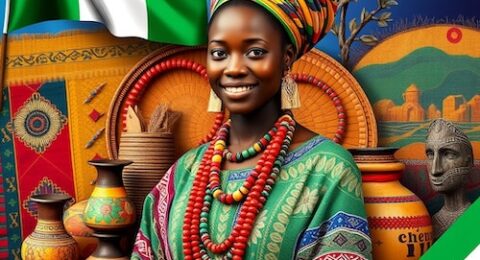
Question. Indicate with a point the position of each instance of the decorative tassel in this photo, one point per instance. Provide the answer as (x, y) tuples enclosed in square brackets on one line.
[(290, 95), (214, 103)]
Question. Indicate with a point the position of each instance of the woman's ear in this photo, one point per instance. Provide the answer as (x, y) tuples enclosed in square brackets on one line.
[(289, 55)]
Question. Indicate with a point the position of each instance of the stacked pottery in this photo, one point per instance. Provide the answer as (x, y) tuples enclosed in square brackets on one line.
[(109, 211), (108, 247), (152, 154), (399, 223)]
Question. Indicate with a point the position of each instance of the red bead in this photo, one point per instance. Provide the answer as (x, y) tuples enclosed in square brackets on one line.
[(248, 221), (254, 194), (223, 247), (240, 246), (261, 182), (234, 232), (229, 199), (237, 252), (242, 239)]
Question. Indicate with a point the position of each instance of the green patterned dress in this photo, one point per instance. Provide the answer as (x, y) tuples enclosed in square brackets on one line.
[(315, 210)]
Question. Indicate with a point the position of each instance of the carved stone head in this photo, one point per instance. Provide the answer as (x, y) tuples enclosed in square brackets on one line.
[(449, 156)]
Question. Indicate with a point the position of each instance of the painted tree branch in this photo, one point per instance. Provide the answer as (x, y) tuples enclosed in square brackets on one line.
[(345, 41)]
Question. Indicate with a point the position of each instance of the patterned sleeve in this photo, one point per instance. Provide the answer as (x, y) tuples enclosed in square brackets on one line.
[(339, 228), (150, 242)]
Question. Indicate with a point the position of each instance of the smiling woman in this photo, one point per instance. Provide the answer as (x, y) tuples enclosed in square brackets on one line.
[(265, 187)]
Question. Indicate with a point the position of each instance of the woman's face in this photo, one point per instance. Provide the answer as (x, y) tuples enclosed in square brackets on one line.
[(245, 60)]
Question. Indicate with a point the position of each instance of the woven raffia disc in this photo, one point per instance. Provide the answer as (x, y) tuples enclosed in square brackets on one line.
[(318, 111), (183, 86)]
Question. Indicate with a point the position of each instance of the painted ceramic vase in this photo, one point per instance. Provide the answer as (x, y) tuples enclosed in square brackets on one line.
[(399, 222), (108, 247), (108, 207), (73, 222), (49, 239)]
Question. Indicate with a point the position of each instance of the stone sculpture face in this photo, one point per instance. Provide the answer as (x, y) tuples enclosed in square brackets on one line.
[(449, 156)]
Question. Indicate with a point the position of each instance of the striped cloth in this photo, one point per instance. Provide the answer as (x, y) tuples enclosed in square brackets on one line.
[(305, 21)]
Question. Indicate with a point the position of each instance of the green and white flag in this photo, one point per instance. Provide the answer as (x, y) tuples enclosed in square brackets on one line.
[(461, 240), (169, 21)]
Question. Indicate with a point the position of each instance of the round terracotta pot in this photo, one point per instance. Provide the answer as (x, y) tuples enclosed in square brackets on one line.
[(108, 207), (73, 222), (399, 222), (49, 239)]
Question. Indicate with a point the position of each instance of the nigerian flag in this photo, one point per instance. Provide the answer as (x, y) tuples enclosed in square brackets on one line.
[(170, 21)]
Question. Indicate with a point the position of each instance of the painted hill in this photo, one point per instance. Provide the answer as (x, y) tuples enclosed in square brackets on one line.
[(435, 73)]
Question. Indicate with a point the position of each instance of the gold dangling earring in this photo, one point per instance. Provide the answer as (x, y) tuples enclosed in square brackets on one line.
[(214, 103), (290, 95)]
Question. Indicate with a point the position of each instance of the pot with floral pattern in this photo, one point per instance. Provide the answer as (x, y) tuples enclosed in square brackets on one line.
[(399, 223), (109, 208), (49, 239)]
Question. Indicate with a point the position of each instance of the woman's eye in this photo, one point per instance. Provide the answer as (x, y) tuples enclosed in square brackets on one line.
[(218, 54), (256, 52)]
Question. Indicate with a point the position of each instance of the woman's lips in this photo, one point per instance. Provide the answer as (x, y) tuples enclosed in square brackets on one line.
[(238, 90)]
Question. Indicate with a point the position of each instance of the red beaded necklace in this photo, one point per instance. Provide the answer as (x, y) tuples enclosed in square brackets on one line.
[(253, 193)]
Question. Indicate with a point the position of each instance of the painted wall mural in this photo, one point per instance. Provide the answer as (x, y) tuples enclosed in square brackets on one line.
[(417, 75)]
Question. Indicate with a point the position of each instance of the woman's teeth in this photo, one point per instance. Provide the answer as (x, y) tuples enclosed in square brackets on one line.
[(238, 89)]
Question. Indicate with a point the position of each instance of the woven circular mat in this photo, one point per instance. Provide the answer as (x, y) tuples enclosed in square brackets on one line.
[(333, 103)]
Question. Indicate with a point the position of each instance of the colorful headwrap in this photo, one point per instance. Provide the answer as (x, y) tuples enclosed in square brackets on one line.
[(305, 21)]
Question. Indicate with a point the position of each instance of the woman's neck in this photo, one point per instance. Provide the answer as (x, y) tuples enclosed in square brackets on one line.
[(248, 128)]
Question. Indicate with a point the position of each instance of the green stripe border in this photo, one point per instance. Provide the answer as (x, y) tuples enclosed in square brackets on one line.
[(460, 239)]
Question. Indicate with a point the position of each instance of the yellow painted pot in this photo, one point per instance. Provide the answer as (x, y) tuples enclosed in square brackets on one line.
[(109, 208), (49, 239), (400, 225)]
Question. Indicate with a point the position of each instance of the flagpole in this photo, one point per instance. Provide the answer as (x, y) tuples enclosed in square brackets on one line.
[(3, 50)]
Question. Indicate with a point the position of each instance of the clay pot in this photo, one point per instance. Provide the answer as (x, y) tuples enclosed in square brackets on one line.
[(399, 222), (108, 207), (49, 239), (73, 222), (108, 247)]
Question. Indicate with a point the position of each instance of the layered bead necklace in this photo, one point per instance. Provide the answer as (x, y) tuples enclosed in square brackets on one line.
[(253, 193)]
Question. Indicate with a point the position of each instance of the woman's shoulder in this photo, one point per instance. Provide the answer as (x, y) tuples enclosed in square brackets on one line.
[(321, 145), (194, 154)]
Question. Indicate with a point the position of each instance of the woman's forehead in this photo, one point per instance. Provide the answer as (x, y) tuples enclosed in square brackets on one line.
[(241, 19)]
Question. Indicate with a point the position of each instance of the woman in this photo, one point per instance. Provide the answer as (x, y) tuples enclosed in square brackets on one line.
[(265, 187)]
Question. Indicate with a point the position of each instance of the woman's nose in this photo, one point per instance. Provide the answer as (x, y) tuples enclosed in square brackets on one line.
[(236, 66), (437, 168)]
